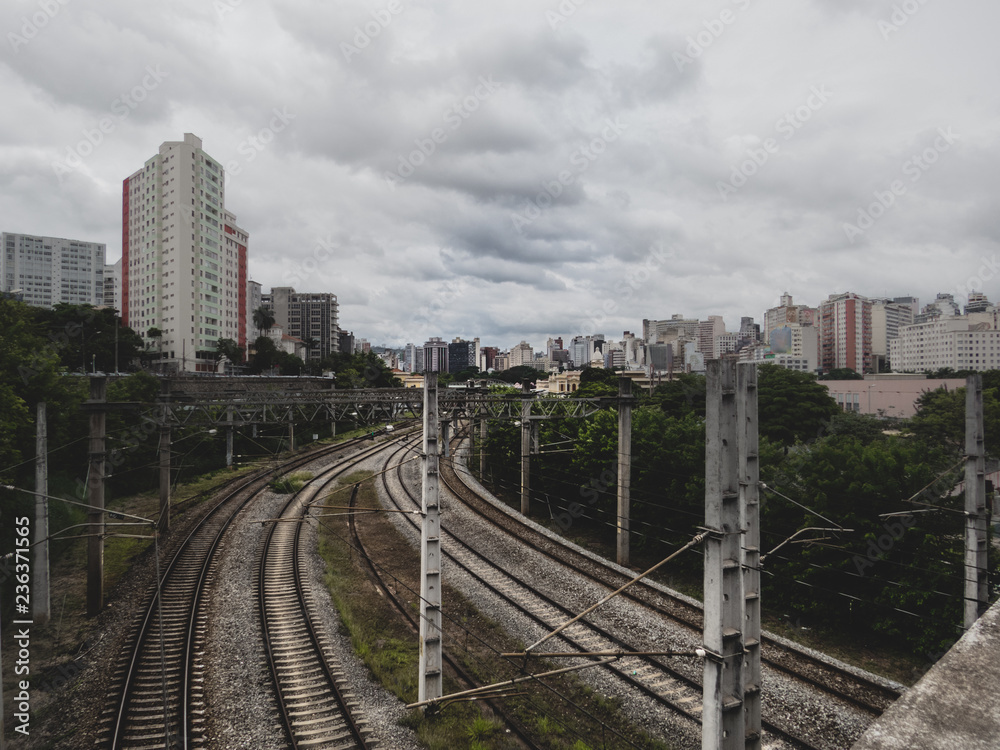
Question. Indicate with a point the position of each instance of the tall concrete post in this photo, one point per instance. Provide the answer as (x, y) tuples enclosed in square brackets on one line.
[(749, 469), (429, 686), (291, 431), (482, 448), (446, 437), (976, 589), (165, 439), (229, 435), (722, 715), (40, 606), (624, 468), (526, 453), (95, 517)]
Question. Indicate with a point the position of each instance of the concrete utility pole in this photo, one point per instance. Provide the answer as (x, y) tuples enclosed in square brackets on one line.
[(749, 469), (229, 435), (40, 572), (482, 448), (446, 437), (624, 467), (165, 439), (95, 531), (291, 431), (722, 714), (429, 679), (526, 451), (976, 589)]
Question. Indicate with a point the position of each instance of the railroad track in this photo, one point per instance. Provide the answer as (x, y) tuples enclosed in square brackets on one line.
[(316, 704), (676, 686), (843, 684), (464, 678), (157, 701)]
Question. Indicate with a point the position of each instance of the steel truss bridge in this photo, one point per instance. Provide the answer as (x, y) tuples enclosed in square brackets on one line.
[(191, 402)]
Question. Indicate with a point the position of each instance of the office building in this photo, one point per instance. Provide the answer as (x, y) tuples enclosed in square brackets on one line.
[(707, 331), (785, 313), (845, 332), (309, 316), (797, 346), (888, 316), (48, 270), (255, 295), (461, 355), (436, 355), (487, 358), (959, 342), (522, 354), (184, 257), (113, 286)]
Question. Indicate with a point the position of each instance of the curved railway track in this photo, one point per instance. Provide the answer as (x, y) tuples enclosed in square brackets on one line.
[(316, 704), (847, 685), (677, 688), (157, 701), (401, 608)]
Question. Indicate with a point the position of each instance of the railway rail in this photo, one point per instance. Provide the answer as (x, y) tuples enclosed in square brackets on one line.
[(157, 700), (848, 685), (676, 686)]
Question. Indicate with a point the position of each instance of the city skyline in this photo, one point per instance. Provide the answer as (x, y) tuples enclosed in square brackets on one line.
[(538, 169)]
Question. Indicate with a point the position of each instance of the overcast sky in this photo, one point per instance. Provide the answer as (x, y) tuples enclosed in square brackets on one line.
[(531, 168)]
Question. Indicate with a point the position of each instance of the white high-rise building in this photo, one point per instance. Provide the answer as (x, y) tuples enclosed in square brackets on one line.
[(184, 258), (49, 270), (113, 285), (888, 316), (960, 342)]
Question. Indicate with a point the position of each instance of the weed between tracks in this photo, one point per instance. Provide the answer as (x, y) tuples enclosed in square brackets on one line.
[(390, 650)]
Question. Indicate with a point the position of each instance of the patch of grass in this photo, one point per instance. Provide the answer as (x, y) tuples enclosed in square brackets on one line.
[(482, 729), (290, 483)]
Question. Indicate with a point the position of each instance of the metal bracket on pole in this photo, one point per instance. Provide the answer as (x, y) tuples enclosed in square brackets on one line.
[(430, 661), (976, 588), (722, 715)]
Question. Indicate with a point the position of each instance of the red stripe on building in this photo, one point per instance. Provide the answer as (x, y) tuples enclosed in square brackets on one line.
[(242, 294), (851, 335)]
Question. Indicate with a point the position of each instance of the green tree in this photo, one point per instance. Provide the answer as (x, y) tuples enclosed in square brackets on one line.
[(792, 405), (940, 419), (842, 373), (86, 337), (265, 356), (909, 562), (521, 374), (683, 395), (229, 349), (263, 319)]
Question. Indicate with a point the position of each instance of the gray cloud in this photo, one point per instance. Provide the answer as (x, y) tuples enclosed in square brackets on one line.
[(445, 237)]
